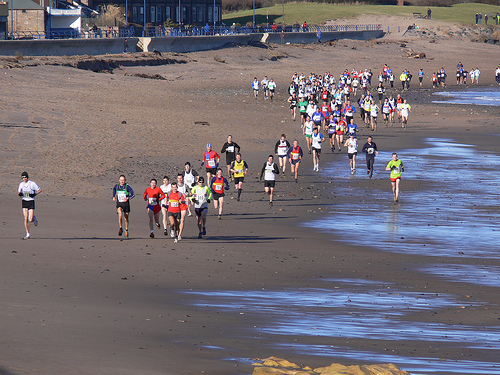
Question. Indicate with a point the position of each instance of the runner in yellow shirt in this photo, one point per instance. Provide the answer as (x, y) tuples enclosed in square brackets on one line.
[(396, 168)]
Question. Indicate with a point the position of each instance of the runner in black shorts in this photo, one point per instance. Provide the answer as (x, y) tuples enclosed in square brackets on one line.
[(269, 171), (27, 190), (230, 148), (122, 193)]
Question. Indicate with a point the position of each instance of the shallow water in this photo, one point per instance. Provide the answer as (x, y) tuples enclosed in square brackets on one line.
[(477, 95), (355, 309), (451, 217)]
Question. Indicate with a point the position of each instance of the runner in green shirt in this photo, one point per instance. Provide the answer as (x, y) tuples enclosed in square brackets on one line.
[(396, 168)]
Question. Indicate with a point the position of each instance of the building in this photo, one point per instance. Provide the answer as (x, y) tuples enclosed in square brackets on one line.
[(25, 16), (193, 12)]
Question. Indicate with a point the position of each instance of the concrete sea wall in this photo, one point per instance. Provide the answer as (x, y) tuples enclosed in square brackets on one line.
[(102, 46)]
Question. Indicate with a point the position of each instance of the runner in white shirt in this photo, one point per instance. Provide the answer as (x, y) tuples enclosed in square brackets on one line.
[(272, 88), (317, 138), (352, 151), (166, 188), (405, 110), (27, 190), (190, 179), (374, 114), (265, 87), (269, 172), (281, 149)]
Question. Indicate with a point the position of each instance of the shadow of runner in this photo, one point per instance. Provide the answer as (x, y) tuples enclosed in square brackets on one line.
[(241, 239), (4, 371)]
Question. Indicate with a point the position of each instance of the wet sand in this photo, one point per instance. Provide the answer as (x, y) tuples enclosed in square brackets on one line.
[(77, 299)]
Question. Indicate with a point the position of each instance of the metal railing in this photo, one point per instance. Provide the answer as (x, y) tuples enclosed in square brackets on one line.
[(186, 31)]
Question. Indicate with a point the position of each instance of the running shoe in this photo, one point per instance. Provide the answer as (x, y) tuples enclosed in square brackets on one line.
[(368, 171), (152, 235), (220, 217), (179, 238), (190, 214), (35, 221), (120, 232), (157, 225), (296, 181), (126, 233), (172, 233), (165, 232), (204, 231), (271, 204), (175, 240), (27, 237), (200, 235), (238, 199)]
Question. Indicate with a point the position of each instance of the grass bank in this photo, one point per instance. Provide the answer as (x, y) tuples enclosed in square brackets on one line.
[(320, 13)]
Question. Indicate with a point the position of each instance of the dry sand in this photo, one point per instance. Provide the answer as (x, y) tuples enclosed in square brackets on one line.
[(78, 300)]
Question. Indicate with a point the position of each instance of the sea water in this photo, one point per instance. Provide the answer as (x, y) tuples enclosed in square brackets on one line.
[(477, 95)]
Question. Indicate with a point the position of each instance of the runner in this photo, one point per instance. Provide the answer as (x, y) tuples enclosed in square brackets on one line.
[(240, 168), (255, 87), (27, 190), (185, 191), (405, 110), (265, 87), (348, 111), (230, 148), (212, 159), (281, 149), (153, 195), (341, 126), (331, 128), (396, 168), (386, 111), (303, 103), (174, 201), (295, 154), (165, 188), (352, 129), (370, 148), (272, 88), (269, 171), (317, 117), (201, 196), (374, 108), (292, 100), (122, 194), (317, 139), (190, 179), (218, 184), (352, 151), (307, 131)]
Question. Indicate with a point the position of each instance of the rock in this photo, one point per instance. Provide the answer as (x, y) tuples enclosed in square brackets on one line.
[(274, 365)]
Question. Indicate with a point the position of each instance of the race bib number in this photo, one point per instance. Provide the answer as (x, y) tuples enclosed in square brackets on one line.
[(295, 156), (174, 203), (281, 150), (122, 197), (230, 149), (239, 170), (153, 201), (370, 150), (397, 169), (211, 163), (218, 187), (26, 193)]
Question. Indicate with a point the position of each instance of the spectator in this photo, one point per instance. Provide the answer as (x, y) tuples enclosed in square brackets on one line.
[(429, 13)]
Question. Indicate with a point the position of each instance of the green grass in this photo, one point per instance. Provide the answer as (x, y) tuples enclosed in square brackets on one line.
[(319, 13)]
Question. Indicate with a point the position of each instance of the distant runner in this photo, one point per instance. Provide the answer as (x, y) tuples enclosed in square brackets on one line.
[(27, 190), (218, 184), (239, 168), (370, 148), (165, 188), (317, 139), (122, 194), (201, 196), (174, 201), (280, 149), (352, 151), (295, 154), (269, 171), (211, 159), (230, 148)]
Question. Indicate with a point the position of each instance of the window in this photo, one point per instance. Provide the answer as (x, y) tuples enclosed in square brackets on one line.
[(210, 14), (152, 11), (159, 12), (193, 16), (168, 13), (134, 14), (184, 14), (200, 14), (216, 14), (141, 14)]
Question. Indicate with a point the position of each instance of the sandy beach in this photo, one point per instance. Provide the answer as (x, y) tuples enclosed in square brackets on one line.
[(78, 299)]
